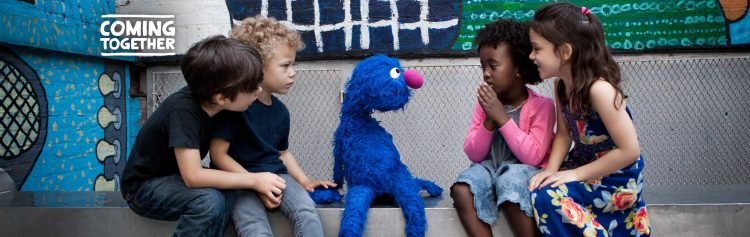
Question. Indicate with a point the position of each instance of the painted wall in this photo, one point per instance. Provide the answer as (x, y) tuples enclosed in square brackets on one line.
[(67, 26), (194, 19), (437, 27), (67, 120)]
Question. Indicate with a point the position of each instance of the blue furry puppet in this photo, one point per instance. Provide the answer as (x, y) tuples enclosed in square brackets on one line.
[(364, 152)]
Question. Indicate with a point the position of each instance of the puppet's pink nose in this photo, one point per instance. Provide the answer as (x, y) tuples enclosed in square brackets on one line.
[(413, 79)]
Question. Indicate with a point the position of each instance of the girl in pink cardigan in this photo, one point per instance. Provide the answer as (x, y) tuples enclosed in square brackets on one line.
[(510, 134)]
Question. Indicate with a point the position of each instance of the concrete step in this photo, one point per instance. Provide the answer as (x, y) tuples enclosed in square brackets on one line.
[(674, 211)]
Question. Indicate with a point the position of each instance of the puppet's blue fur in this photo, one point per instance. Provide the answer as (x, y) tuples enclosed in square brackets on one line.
[(364, 153)]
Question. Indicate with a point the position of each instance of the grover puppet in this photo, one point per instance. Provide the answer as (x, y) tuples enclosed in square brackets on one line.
[(364, 153)]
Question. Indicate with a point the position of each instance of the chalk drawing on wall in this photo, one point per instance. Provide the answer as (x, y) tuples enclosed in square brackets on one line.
[(23, 116), (633, 25), (335, 28), (110, 150), (347, 26)]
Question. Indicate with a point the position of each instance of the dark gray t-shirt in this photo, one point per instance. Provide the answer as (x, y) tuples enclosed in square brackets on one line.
[(499, 149), (179, 122)]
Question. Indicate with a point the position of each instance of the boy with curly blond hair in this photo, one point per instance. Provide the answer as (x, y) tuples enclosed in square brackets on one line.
[(257, 140)]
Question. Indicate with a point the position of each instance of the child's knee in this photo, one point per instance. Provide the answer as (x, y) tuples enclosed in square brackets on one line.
[(306, 212), (304, 204), (209, 202)]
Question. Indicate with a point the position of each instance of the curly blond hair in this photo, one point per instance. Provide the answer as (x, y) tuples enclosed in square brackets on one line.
[(260, 32)]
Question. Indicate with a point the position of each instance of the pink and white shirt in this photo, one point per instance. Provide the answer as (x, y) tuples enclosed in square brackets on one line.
[(529, 140)]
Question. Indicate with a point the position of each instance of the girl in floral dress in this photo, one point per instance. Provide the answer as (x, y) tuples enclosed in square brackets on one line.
[(596, 189)]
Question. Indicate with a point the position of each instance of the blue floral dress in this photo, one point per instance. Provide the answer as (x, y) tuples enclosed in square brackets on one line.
[(610, 206)]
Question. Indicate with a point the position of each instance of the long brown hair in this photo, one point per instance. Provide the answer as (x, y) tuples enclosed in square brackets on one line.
[(590, 59)]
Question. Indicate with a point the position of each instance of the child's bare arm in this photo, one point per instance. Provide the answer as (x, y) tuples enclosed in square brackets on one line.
[(220, 156), (560, 147), (561, 143), (195, 176), (298, 174), (620, 128)]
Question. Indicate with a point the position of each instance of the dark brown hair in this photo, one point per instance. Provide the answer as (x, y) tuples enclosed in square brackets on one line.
[(515, 36), (590, 59), (220, 65)]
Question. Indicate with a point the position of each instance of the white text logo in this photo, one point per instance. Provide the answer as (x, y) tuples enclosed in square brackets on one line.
[(137, 35)]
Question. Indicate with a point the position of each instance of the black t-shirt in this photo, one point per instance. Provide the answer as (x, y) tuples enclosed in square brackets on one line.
[(256, 136), (179, 122)]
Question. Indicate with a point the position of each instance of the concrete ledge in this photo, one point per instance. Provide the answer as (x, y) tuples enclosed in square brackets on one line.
[(674, 211), (94, 213)]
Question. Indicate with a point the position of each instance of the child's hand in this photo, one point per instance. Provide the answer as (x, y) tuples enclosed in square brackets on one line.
[(270, 202), (489, 124), (540, 177), (556, 179), (491, 104), (268, 184), (311, 185), (561, 178)]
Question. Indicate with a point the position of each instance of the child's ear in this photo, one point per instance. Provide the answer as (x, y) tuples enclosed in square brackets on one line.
[(218, 99), (566, 50)]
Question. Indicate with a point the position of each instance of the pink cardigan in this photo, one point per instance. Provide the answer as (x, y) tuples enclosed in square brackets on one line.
[(529, 141)]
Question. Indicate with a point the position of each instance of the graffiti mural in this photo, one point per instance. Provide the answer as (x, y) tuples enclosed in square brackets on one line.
[(65, 25), (354, 26), (23, 106), (628, 25), (111, 149), (66, 117), (440, 27), (86, 124)]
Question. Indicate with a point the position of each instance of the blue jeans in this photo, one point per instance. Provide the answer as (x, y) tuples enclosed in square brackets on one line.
[(251, 218), (198, 211)]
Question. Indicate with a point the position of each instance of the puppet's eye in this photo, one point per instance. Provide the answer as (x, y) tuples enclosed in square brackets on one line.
[(395, 72)]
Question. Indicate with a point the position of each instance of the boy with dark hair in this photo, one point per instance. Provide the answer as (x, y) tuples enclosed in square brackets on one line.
[(163, 178)]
